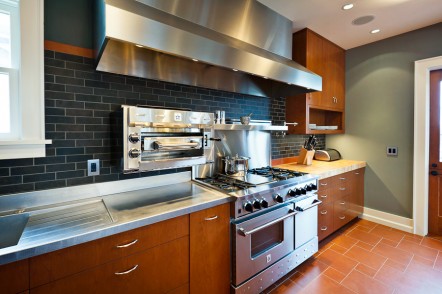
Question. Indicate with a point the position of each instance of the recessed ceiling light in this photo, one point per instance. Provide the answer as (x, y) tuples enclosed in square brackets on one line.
[(375, 31), (234, 69), (194, 59), (347, 6), (140, 46)]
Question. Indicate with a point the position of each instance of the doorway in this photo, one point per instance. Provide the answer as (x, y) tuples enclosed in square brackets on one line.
[(435, 156)]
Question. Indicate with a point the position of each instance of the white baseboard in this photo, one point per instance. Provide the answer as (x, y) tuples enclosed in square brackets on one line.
[(388, 219)]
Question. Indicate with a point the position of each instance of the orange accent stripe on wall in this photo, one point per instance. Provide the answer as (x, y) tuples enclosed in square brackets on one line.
[(69, 49)]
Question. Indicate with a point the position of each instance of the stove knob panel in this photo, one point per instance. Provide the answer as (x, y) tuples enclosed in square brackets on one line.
[(264, 203), (278, 198), (256, 204), (248, 206)]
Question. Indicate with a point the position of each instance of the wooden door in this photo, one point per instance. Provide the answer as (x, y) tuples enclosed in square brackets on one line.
[(435, 168), (210, 251)]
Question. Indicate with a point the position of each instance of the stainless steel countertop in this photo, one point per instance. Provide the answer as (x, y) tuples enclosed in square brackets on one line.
[(77, 219)]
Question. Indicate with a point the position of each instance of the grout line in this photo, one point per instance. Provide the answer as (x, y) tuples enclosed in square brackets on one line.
[(354, 268), (379, 269), (434, 263)]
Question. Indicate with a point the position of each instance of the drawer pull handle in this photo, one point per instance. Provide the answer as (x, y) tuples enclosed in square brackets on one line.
[(324, 228), (356, 173), (323, 196), (324, 212), (342, 189), (211, 218), (342, 203), (342, 217), (128, 244), (323, 184), (128, 271), (342, 179)]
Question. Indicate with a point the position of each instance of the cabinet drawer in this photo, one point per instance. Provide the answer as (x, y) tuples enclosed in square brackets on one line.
[(340, 213), (58, 264), (325, 220), (14, 277), (326, 183), (326, 195), (161, 269)]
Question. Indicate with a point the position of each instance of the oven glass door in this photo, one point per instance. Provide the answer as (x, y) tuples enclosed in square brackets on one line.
[(261, 241)]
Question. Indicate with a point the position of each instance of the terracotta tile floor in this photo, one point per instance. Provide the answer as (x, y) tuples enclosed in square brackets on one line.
[(365, 257)]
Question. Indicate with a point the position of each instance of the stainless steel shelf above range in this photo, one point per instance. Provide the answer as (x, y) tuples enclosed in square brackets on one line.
[(258, 127)]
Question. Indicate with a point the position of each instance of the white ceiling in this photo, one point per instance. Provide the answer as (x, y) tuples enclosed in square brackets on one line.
[(325, 17)]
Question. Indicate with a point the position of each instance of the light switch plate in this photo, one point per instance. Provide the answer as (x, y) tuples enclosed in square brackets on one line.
[(392, 151), (93, 167)]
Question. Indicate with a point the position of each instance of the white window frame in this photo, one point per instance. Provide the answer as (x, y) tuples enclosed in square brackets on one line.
[(30, 140), (12, 8)]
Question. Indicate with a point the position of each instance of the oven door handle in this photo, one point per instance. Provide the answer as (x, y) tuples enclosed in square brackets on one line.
[(246, 233), (316, 202)]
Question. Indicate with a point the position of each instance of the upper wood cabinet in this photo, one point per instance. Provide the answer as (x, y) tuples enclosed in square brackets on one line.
[(325, 108)]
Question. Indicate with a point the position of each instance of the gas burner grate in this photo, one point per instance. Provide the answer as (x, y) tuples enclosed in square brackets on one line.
[(225, 183), (275, 173)]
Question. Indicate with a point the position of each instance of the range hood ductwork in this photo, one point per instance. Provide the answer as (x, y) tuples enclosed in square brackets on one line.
[(173, 34)]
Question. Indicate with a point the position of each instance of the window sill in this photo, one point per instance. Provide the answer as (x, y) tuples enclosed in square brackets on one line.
[(23, 149)]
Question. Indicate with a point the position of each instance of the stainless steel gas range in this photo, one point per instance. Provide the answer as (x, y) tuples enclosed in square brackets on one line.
[(274, 216)]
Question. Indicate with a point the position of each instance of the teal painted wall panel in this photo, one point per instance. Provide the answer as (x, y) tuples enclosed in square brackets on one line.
[(69, 22), (380, 113)]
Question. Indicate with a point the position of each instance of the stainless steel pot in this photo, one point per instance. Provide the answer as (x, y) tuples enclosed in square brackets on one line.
[(236, 166)]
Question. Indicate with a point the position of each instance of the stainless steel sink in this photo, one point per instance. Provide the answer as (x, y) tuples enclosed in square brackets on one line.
[(11, 228)]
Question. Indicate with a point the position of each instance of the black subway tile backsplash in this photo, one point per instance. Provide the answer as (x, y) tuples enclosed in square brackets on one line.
[(78, 104)]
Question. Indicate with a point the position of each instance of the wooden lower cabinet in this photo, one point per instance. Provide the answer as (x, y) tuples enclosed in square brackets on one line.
[(14, 277), (161, 269), (210, 250), (342, 199), (65, 262), (186, 254)]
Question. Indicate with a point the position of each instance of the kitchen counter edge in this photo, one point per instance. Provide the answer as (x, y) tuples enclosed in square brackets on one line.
[(326, 169)]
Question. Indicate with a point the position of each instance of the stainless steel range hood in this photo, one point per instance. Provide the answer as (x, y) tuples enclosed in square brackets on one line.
[(232, 45)]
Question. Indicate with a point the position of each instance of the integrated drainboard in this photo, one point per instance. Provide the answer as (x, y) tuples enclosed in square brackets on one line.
[(65, 221)]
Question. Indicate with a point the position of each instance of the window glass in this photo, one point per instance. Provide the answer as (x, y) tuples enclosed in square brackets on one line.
[(5, 39), (5, 126)]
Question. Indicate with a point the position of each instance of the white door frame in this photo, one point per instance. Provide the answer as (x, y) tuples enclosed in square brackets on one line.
[(422, 141)]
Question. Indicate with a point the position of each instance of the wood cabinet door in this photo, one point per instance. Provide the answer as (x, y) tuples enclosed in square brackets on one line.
[(14, 277), (315, 62), (210, 250), (334, 82), (161, 269)]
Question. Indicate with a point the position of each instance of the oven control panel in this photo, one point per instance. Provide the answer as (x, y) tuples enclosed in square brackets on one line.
[(274, 197)]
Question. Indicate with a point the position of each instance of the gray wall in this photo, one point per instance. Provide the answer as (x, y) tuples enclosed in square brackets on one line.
[(379, 113)]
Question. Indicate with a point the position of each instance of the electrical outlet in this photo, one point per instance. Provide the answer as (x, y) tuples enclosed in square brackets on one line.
[(392, 151), (93, 167)]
